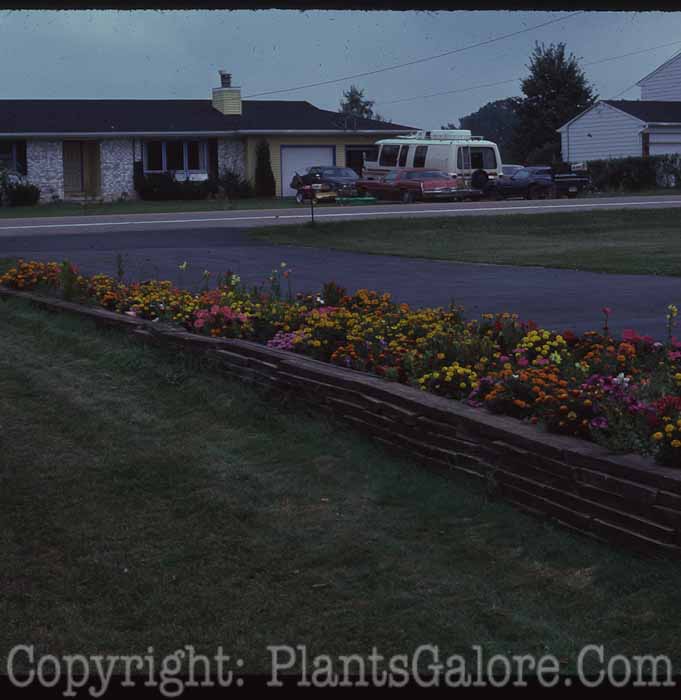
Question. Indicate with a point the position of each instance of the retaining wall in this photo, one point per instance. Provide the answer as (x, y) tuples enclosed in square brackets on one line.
[(622, 499)]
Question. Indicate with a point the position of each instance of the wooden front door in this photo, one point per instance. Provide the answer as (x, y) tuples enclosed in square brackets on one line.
[(81, 168)]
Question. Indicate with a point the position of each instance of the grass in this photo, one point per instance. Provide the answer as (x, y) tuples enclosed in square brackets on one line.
[(621, 241), (145, 501), (140, 207)]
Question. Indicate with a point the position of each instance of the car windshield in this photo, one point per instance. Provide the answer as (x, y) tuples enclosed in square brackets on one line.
[(427, 175), (339, 172), (510, 169)]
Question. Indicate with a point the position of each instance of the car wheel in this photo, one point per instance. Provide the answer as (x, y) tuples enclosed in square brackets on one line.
[(532, 193), (299, 197), (407, 197)]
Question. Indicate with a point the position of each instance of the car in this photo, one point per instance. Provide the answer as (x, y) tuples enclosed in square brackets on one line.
[(509, 170), (568, 184), (524, 182), (325, 182), (411, 184)]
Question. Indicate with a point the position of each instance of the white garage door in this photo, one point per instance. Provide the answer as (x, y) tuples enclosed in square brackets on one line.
[(661, 149), (299, 159)]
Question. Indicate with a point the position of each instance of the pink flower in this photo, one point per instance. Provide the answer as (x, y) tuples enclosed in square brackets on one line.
[(606, 310), (504, 358), (199, 323), (523, 362)]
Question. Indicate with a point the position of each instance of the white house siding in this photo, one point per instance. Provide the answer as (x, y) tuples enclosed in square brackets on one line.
[(45, 168), (116, 158), (664, 83), (663, 141), (232, 156), (614, 134)]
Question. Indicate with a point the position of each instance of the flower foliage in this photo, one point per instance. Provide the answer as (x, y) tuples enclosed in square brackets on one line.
[(623, 393)]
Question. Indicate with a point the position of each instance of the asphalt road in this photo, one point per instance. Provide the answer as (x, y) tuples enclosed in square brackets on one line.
[(247, 218), (155, 246)]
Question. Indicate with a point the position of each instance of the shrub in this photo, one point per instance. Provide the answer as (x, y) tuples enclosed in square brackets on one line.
[(21, 194), (265, 185), (235, 186), (635, 173), (164, 187)]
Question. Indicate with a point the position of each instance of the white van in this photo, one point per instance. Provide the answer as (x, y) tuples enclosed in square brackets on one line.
[(454, 151)]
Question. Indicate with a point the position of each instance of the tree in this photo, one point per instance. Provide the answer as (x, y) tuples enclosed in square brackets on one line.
[(265, 185), (355, 104), (555, 91), (495, 121)]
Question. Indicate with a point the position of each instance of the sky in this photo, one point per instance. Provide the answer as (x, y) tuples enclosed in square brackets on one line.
[(176, 54)]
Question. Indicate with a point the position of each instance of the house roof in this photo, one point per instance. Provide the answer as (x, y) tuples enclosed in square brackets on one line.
[(161, 116), (660, 67), (646, 111), (650, 111)]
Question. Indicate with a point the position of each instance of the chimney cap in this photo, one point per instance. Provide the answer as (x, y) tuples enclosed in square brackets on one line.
[(225, 78)]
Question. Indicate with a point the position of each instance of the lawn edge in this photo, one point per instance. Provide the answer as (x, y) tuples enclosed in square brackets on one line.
[(622, 499)]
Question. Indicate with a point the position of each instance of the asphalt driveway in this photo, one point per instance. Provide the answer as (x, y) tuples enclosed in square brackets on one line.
[(557, 299)]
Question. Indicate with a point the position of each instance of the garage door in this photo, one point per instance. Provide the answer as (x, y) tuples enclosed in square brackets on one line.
[(661, 149), (299, 159)]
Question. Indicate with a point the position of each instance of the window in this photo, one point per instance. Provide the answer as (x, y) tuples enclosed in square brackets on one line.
[(403, 156), (420, 156), (391, 177), (173, 156), (477, 157), (193, 155), (389, 155), (8, 159), (155, 155), (522, 175), (430, 174)]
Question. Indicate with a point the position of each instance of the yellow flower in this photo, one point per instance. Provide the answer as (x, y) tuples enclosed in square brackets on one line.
[(658, 436), (676, 444), (669, 428)]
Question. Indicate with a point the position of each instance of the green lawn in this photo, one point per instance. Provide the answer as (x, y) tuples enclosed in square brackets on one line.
[(139, 207), (626, 241), (144, 501)]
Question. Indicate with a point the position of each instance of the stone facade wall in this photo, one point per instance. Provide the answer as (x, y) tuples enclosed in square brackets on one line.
[(116, 157), (232, 156), (45, 168)]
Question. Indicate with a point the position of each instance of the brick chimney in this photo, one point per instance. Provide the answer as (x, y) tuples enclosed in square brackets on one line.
[(227, 99)]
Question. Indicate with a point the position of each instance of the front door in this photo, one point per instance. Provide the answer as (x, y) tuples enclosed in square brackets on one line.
[(81, 168)]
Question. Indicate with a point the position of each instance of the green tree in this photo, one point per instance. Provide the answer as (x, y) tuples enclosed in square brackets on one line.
[(555, 91), (355, 104), (495, 121), (265, 185)]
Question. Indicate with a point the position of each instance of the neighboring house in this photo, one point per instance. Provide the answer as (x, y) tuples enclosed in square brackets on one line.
[(73, 148), (620, 128)]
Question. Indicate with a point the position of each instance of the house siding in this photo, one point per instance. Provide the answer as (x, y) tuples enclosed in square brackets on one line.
[(614, 134), (116, 158), (45, 168), (276, 142), (664, 83)]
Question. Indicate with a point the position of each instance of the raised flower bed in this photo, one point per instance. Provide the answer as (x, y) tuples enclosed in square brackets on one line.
[(521, 394)]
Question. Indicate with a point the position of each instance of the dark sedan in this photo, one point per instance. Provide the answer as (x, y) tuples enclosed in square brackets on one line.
[(325, 182), (523, 182)]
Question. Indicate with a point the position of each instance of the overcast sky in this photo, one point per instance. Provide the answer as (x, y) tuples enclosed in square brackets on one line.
[(174, 54)]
